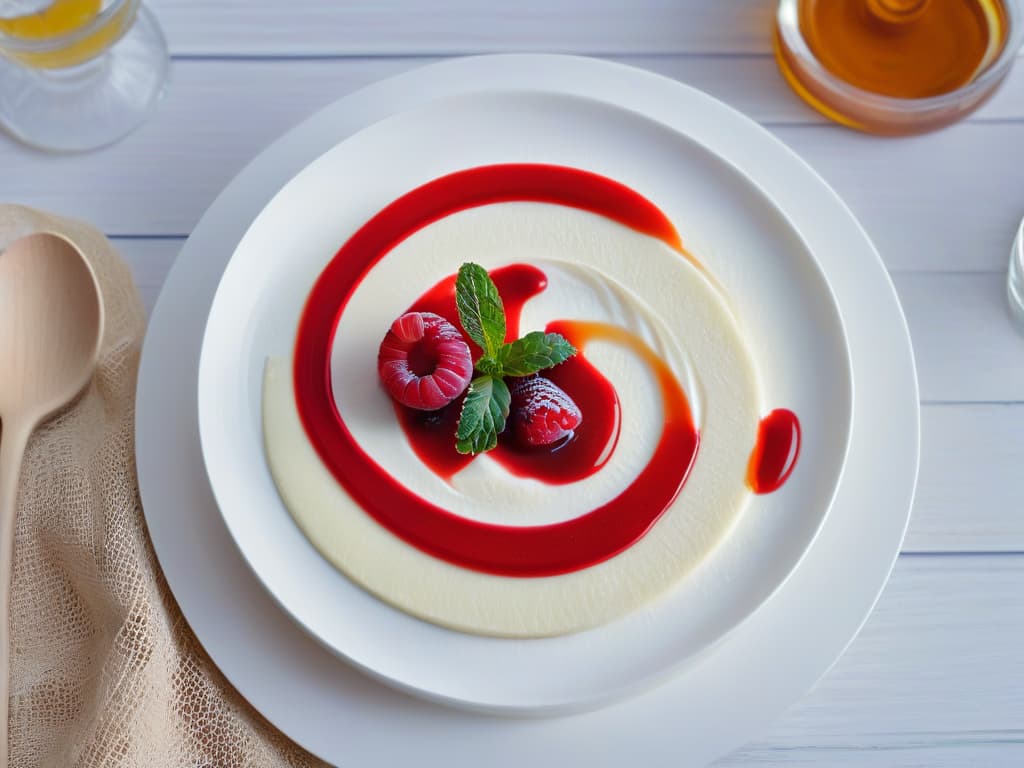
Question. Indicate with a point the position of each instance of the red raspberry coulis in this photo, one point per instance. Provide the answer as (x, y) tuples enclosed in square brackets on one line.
[(525, 551)]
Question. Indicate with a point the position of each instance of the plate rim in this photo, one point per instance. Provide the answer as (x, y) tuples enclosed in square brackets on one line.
[(389, 90)]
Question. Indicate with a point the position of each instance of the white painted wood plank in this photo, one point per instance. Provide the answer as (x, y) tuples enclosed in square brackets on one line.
[(965, 500), (150, 261), (465, 26), (964, 343), (935, 678), (946, 201), (414, 27), (983, 749), (969, 496)]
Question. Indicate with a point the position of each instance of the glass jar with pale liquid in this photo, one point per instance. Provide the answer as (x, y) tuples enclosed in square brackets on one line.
[(78, 74), (896, 66)]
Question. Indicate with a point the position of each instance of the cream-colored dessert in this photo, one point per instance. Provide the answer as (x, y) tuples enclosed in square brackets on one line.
[(597, 270)]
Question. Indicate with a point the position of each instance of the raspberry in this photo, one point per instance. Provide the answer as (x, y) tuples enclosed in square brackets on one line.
[(542, 413), (424, 362)]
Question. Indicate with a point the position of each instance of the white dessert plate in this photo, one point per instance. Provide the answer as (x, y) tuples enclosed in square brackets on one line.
[(713, 703), (784, 306)]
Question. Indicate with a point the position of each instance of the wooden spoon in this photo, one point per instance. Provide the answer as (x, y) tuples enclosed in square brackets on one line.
[(51, 324)]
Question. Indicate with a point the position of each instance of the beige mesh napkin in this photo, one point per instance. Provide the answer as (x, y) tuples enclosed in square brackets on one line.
[(104, 670)]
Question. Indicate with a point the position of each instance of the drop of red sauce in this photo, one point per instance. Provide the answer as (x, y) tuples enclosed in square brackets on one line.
[(775, 452)]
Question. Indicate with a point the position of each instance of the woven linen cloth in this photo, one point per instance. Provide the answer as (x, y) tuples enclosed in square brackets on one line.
[(105, 671)]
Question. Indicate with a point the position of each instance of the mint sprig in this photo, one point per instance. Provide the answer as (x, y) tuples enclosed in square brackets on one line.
[(482, 314), (480, 309), (534, 352), (484, 412)]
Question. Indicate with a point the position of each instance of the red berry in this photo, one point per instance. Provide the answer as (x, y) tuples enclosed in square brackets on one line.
[(424, 362), (542, 413)]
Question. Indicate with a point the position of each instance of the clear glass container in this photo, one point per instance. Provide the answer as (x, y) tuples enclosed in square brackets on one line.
[(1015, 282), (78, 74), (872, 111)]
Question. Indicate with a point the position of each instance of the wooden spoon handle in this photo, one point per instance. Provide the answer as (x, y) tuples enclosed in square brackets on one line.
[(12, 448)]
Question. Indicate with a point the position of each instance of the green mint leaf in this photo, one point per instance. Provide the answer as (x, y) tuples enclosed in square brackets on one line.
[(534, 352), (480, 309), (483, 415)]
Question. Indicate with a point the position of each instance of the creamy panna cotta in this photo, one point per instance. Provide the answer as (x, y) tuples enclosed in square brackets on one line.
[(659, 318)]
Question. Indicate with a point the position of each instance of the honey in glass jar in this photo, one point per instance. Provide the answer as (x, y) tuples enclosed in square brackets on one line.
[(896, 66)]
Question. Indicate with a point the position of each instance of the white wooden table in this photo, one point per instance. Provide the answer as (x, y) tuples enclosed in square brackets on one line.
[(936, 678)]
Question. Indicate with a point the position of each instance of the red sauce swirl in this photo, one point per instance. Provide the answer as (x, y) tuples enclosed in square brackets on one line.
[(525, 551)]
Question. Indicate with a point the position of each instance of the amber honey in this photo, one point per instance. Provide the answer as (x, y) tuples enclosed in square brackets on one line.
[(909, 49), (895, 66)]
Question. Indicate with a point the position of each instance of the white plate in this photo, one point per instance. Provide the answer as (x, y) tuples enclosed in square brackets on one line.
[(785, 308), (716, 702)]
